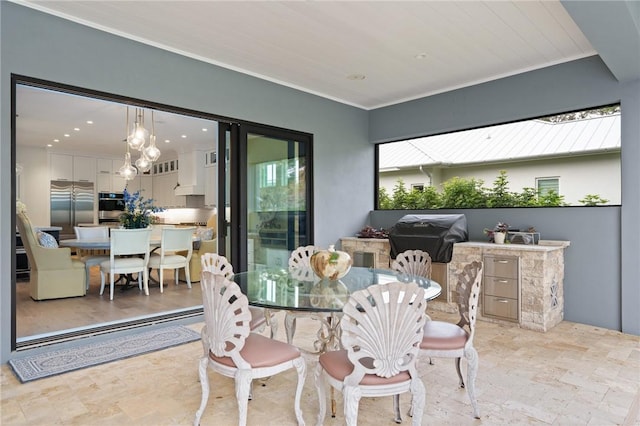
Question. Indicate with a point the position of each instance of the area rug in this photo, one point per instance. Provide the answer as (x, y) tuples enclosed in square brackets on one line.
[(46, 364)]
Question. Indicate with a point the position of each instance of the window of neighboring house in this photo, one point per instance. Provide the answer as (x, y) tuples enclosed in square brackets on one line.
[(544, 185), (495, 166)]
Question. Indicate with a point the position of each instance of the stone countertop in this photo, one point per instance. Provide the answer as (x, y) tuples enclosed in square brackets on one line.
[(543, 245)]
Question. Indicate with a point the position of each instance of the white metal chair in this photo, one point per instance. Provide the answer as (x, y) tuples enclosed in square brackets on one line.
[(260, 317), (443, 339), (236, 352), (299, 261), (381, 332), (86, 256), (173, 240), (413, 262), (132, 243)]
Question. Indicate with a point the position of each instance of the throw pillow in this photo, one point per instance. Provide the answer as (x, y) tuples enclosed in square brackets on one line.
[(47, 240), (203, 234)]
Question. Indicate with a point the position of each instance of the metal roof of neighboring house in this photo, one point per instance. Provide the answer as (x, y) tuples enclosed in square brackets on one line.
[(506, 143)]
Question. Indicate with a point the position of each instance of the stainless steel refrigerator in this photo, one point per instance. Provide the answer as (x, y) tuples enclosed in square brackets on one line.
[(71, 203)]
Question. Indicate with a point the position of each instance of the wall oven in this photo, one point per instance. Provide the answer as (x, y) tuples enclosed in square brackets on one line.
[(110, 206)]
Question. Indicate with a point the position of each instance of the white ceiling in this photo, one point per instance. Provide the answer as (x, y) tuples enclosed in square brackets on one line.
[(404, 50)]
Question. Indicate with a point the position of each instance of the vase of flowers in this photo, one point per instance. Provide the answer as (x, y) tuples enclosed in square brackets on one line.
[(138, 211), (498, 234)]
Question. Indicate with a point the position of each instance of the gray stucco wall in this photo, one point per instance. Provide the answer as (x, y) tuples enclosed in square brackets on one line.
[(592, 289), (42, 46), (571, 86)]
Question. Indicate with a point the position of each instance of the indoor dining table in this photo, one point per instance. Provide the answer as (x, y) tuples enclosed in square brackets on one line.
[(299, 290), (105, 244)]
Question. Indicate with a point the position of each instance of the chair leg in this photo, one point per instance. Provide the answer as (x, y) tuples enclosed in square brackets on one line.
[(243, 387), (301, 368), (101, 282), (321, 388), (418, 397), (351, 396), (204, 383), (161, 273), (289, 326), (472, 370), (111, 285), (187, 275), (145, 278), (459, 371), (396, 409)]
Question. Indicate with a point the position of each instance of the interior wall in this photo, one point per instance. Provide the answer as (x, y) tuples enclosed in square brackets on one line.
[(42, 46), (566, 87)]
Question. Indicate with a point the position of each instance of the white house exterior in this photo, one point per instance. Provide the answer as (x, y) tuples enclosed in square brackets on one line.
[(583, 155)]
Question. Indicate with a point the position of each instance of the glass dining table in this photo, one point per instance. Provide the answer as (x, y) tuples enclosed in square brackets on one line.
[(300, 291)]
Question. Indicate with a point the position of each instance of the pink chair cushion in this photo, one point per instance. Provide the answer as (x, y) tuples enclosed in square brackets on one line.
[(257, 317), (338, 366), (261, 351), (440, 335)]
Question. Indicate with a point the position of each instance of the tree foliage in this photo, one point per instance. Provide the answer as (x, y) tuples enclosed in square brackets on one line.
[(459, 193)]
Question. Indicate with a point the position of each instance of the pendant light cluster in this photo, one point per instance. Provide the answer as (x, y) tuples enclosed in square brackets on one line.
[(136, 140)]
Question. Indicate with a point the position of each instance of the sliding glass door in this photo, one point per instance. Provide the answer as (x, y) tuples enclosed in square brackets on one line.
[(271, 180)]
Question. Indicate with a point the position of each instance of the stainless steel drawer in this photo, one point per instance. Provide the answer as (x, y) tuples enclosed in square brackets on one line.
[(502, 287), (502, 307), (499, 266)]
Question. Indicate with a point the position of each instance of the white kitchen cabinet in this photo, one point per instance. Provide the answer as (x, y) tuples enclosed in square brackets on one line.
[(61, 167), (104, 170), (163, 193), (84, 169), (146, 186), (118, 183), (191, 173)]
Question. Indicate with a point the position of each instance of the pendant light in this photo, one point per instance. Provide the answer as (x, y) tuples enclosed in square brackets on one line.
[(152, 152), (127, 171)]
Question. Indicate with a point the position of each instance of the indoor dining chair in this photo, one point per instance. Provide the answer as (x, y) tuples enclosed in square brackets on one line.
[(236, 352), (129, 253), (173, 240), (87, 256), (381, 333)]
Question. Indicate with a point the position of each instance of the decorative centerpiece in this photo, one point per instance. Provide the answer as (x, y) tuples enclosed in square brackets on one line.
[(498, 234), (138, 211), (370, 232), (331, 264)]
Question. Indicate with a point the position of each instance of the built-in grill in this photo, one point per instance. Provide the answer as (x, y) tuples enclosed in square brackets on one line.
[(433, 233)]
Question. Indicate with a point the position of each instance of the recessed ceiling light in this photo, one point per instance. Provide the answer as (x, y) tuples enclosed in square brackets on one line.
[(421, 56), (356, 77), (49, 145), (66, 135), (56, 140), (204, 129), (77, 129), (167, 141), (183, 136), (89, 122)]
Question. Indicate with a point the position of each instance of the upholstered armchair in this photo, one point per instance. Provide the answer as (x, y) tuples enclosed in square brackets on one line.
[(54, 273), (208, 245)]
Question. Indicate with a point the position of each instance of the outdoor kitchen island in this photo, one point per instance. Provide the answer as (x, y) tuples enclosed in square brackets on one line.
[(522, 284)]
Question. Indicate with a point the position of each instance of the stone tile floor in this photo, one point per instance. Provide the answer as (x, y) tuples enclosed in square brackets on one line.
[(574, 374)]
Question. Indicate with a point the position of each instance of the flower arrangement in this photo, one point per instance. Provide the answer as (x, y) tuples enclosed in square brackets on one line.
[(138, 211), (500, 227)]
